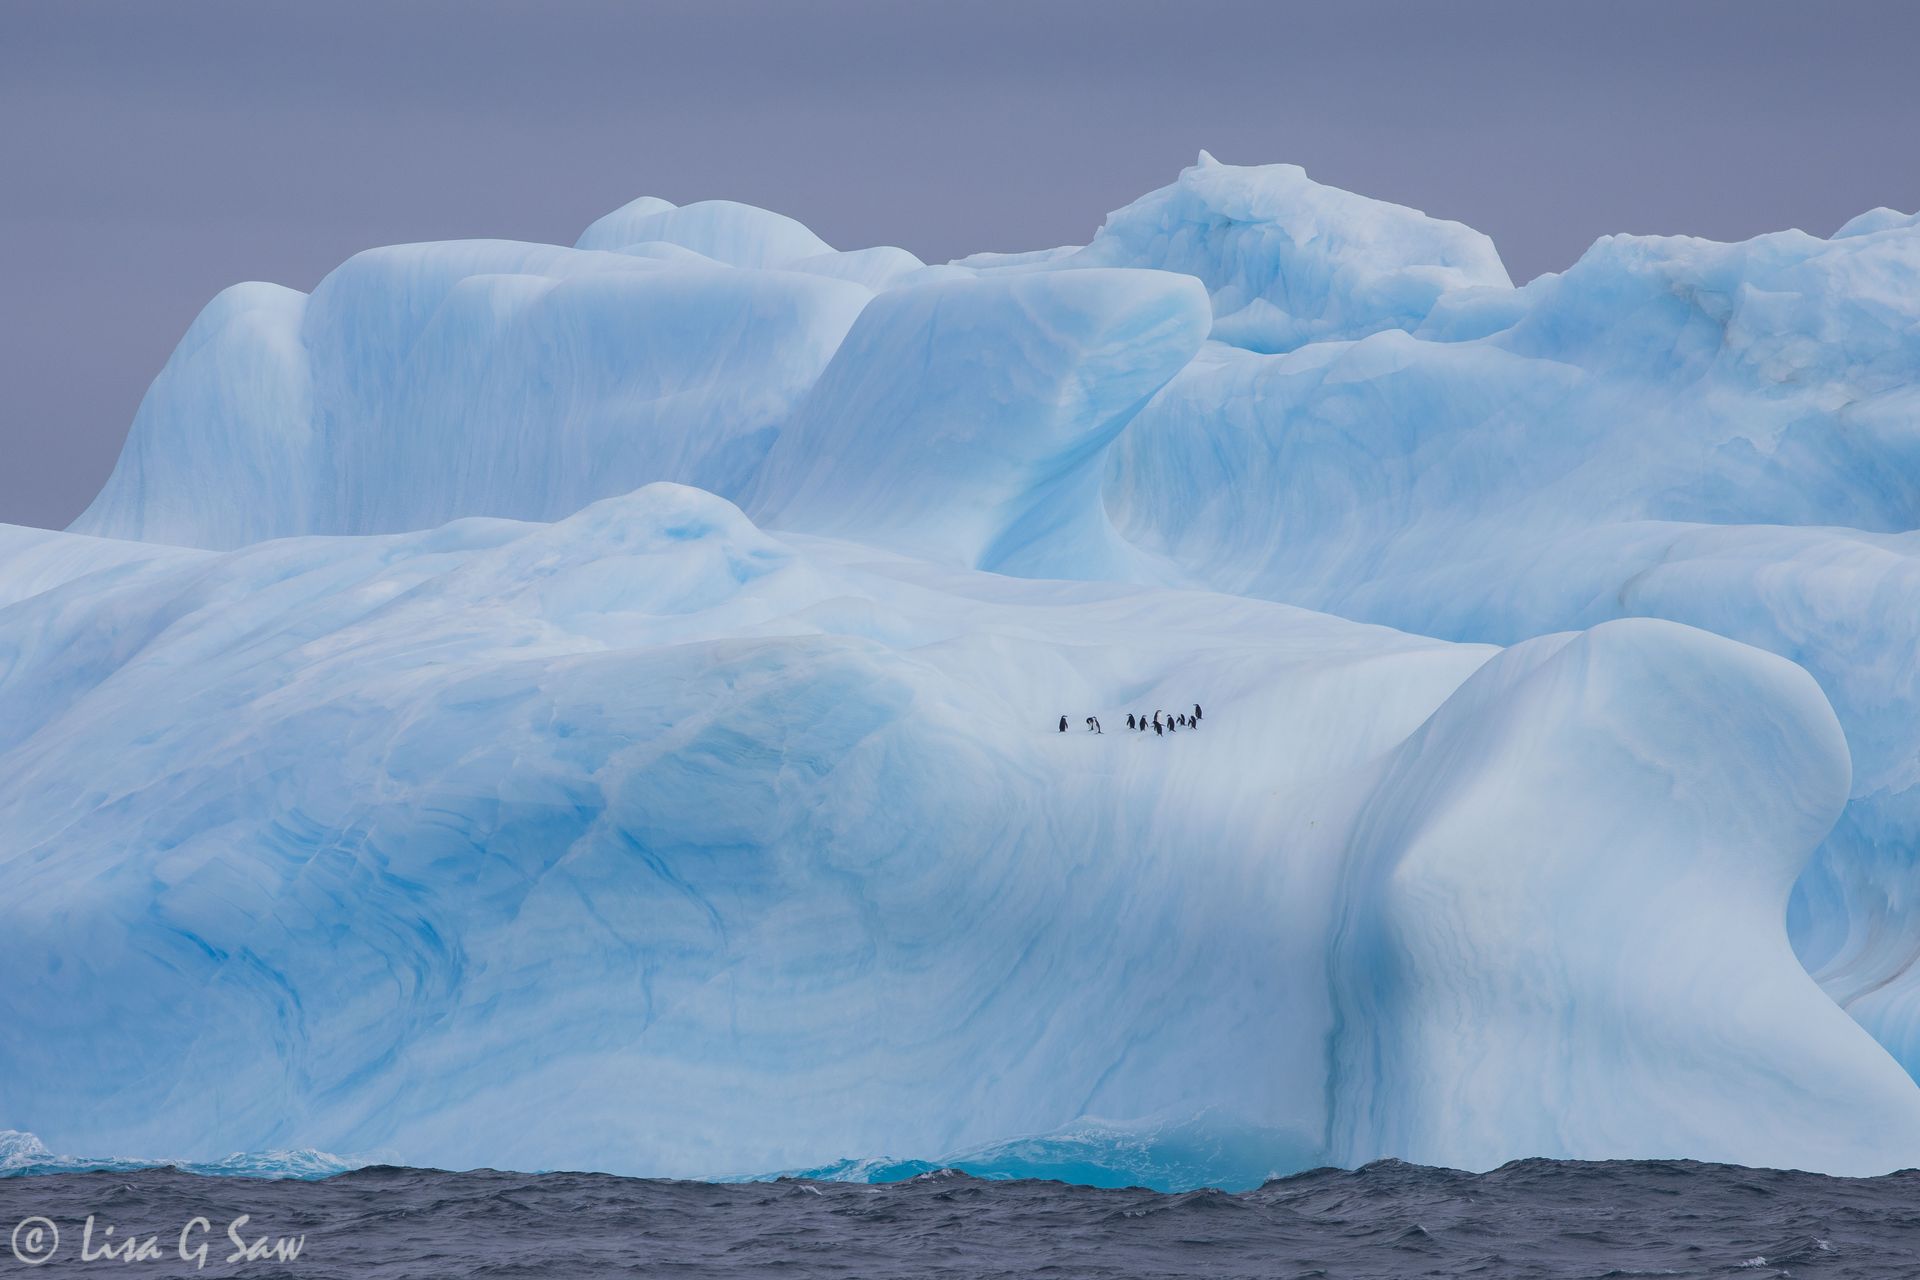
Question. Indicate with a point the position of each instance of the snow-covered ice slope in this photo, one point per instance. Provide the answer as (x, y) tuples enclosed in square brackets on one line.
[(660, 839), (650, 842)]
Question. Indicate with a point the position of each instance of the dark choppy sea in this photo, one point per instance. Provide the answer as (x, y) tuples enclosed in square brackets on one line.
[(1535, 1218)]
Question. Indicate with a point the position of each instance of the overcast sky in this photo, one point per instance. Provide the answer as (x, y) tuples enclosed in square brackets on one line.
[(152, 153)]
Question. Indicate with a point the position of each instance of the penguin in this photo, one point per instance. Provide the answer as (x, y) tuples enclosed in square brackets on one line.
[(1063, 724), (1197, 717), (1129, 719), (1156, 726), (1169, 724), (1093, 725)]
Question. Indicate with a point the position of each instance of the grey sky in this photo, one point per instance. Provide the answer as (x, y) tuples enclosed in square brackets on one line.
[(152, 153)]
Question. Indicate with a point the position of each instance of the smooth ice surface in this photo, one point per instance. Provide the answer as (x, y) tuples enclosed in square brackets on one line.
[(967, 420), (421, 383), (515, 808)]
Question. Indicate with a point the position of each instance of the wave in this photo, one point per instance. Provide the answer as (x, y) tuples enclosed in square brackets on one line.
[(24, 1154)]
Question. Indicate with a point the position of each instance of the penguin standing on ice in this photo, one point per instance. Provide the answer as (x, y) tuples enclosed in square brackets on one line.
[(1169, 724), (1063, 724), (1093, 724), (1129, 719), (1156, 724), (1197, 717)]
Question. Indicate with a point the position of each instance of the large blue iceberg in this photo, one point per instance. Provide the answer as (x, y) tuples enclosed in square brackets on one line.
[(596, 707)]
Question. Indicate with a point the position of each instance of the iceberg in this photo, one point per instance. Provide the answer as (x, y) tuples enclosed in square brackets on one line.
[(597, 706)]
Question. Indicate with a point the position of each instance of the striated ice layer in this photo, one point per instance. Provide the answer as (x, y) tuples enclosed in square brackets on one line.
[(650, 842)]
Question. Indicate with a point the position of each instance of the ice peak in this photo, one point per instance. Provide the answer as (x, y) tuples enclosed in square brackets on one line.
[(1880, 219), (1289, 261), (741, 235)]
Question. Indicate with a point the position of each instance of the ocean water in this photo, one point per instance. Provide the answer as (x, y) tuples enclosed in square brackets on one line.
[(1533, 1218)]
